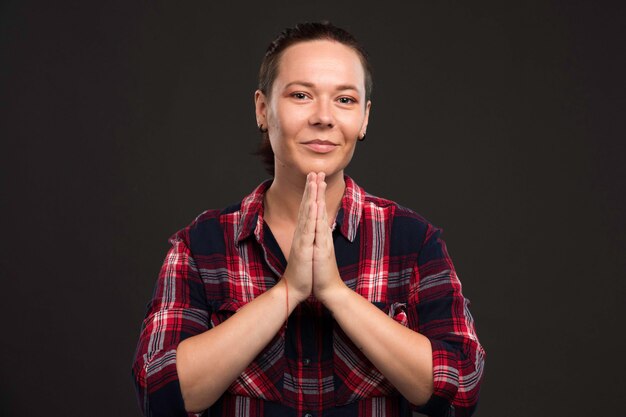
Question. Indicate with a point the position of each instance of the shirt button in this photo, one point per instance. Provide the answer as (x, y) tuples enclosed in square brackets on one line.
[(308, 415), (306, 362)]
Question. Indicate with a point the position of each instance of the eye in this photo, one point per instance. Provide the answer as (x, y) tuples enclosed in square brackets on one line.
[(299, 95), (346, 100)]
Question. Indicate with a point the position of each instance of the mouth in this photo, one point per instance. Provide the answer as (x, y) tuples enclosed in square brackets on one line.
[(320, 146), (320, 142)]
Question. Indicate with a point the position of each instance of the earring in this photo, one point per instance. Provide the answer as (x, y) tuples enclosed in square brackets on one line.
[(261, 128), (362, 137)]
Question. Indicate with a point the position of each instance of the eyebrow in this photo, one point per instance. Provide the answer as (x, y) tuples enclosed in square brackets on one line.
[(341, 87)]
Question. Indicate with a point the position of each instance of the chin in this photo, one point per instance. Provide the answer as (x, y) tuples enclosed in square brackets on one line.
[(328, 169), (304, 167), (318, 165)]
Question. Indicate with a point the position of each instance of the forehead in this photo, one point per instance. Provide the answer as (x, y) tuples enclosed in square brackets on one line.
[(319, 62)]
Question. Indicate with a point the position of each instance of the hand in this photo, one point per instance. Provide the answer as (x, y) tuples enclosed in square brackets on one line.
[(299, 272), (326, 278)]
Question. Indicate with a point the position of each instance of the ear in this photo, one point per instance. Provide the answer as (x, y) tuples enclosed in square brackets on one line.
[(368, 106), (260, 107)]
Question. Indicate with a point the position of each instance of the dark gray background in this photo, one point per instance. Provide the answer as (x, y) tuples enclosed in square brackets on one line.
[(501, 122)]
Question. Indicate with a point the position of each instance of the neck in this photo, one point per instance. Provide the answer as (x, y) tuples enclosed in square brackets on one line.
[(283, 198)]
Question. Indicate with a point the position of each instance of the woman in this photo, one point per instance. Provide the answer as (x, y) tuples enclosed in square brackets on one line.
[(365, 318)]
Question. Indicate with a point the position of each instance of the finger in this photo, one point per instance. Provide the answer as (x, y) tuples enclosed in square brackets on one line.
[(321, 200), (303, 210), (306, 193), (313, 190), (303, 202), (322, 215), (305, 225), (321, 192), (312, 205)]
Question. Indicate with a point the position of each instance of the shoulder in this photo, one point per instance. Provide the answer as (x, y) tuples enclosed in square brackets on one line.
[(213, 229), (408, 229), (205, 234)]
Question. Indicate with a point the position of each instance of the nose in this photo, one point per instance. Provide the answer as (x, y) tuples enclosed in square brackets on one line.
[(322, 115)]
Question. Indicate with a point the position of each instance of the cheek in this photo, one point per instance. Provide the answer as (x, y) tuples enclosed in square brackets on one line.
[(291, 121), (353, 123), (273, 121), (279, 119), (281, 130)]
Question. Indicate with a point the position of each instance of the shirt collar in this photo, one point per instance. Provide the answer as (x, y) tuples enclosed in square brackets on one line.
[(348, 216)]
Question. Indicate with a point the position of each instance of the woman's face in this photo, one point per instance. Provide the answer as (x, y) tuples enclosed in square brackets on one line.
[(316, 109)]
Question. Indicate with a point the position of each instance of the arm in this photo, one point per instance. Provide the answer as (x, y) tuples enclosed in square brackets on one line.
[(181, 366), (209, 362), (177, 310), (403, 356), (437, 362), (439, 311)]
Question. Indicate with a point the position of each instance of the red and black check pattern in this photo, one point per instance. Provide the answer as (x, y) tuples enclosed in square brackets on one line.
[(386, 253)]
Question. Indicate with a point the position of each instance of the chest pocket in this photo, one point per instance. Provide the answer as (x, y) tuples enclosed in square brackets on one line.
[(355, 377), (263, 378)]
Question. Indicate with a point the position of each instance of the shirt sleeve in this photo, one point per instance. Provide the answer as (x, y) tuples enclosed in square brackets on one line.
[(442, 315), (178, 310)]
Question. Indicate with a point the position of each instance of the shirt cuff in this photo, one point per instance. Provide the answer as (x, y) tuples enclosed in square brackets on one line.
[(445, 380), (163, 396)]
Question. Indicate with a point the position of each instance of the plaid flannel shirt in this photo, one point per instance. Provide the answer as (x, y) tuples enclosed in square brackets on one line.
[(386, 253)]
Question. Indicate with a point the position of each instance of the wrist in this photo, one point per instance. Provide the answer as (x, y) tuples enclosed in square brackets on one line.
[(333, 294), (293, 294)]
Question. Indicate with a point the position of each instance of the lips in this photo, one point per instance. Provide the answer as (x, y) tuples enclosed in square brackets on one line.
[(320, 146), (320, 142)]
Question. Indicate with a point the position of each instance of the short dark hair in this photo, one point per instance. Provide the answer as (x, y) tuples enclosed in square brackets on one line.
[(303, 32)]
